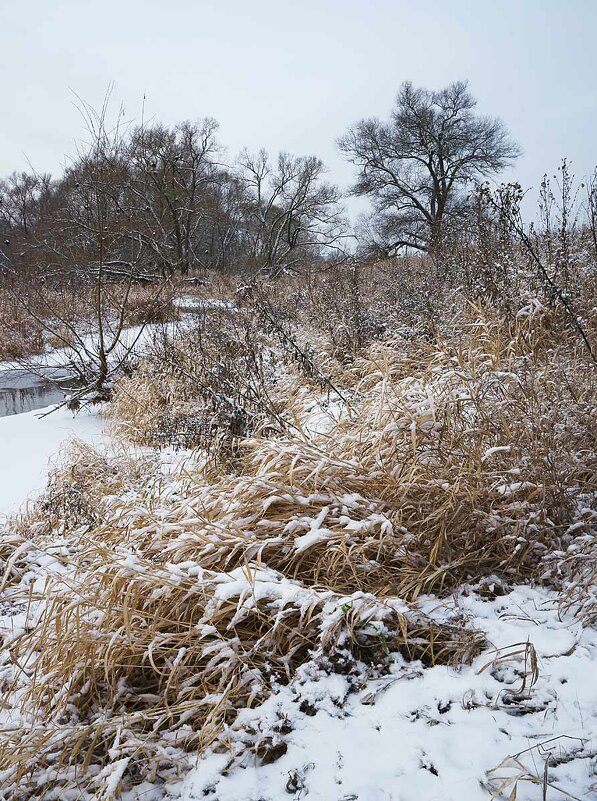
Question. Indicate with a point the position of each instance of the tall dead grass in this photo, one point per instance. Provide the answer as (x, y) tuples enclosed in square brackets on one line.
[(171, 602), (20, 335)]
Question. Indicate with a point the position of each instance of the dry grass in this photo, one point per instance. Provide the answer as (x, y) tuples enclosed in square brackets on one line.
[(20, 335), (172, 602), (149, 636), (151, 304)]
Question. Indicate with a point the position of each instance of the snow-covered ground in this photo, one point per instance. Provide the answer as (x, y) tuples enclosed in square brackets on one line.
[(134, 336), (193, 304), (30, 443), (429, 734)]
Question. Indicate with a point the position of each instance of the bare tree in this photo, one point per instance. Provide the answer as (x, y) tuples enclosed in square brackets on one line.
[(592, 211), (228, 230), (292, 215), (415, 165), (23, 200), (173, 175), (85, 242)]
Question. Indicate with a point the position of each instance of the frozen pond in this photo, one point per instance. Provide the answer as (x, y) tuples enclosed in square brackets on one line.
[(24, 391)]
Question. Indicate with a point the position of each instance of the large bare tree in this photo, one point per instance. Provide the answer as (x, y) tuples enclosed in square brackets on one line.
[(415, 165)]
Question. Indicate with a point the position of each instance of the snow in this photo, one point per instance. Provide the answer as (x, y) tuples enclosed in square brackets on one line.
[(498, 449), (193, 303), (30, 443), (113, 774), (319, 416), (135, 337), (438, 733)]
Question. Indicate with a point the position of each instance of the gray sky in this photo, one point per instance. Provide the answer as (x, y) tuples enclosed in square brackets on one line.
[(293, 75)]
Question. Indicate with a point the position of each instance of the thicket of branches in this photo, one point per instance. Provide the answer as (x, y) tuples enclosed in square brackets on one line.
[(160, 201)]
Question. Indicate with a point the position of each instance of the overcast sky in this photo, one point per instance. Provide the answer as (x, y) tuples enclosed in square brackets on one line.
[(292, 75)]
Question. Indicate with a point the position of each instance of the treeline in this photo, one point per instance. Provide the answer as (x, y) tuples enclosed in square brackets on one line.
[(159, 201)]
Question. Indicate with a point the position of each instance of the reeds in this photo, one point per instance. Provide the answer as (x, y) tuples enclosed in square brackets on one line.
[(164, 605)]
